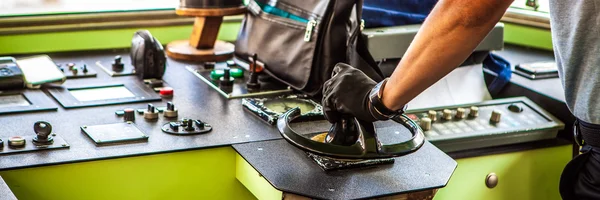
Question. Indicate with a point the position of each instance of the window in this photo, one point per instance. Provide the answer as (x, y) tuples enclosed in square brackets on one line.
[(43, 7), (522, 14)]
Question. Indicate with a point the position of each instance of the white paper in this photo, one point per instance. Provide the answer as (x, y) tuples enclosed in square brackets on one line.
[(463, 85)]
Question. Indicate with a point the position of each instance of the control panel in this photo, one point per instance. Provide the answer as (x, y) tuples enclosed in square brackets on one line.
[(486, 124), (42, 138)]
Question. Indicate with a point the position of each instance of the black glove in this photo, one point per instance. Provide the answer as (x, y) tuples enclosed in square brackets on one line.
[(347, 93)]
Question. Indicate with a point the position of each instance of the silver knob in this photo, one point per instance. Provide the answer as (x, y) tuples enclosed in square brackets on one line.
[(432, 114), (447, 114), (460, 113), (474, 111), (425, 123), (491, 180), (496, 115)]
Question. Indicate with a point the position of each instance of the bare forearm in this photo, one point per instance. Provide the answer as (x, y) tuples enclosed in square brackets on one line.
[(448, 36)]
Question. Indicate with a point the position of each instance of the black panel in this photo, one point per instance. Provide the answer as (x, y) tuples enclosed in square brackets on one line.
[(37, 100), (290, 170), (140, 93)]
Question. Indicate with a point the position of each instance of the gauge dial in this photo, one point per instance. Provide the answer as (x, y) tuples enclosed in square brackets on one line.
[(282, 105)]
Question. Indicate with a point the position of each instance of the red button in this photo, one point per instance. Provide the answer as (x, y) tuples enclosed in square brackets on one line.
[(166, 91), (412, 116)]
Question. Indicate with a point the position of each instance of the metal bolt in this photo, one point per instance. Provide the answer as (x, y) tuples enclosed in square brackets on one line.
[(64, 145), (84, 126)]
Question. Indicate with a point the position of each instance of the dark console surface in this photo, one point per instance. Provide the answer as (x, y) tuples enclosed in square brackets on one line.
[(192, 98), (295, 173)]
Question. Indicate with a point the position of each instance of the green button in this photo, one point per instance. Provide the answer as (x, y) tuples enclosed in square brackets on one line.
[(234, 72), (120, 112), (237, 73), (216, 74)]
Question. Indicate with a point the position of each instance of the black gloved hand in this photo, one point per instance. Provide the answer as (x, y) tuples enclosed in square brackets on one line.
[(347, 93)]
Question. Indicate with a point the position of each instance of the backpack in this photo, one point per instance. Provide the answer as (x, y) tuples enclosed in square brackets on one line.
[(300, 42)]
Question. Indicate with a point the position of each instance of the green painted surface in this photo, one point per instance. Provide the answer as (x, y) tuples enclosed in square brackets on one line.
[(98, 39), (527, 36), (199, 174), (525, 175), (254, 182)]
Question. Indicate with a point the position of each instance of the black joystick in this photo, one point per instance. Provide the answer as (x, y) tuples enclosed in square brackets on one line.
[(226, 79), (117, 65), (189, 125), (345, 132), (42, 130), (253, 84)]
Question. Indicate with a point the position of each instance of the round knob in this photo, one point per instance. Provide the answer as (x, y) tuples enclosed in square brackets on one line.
[(151, 113), (16, 141), (474, 111), (425, 123), (171, 111), (226, 79), (432, 114), (496, 115), (460, 113), (491, 180), (129, 115), (447, 114)]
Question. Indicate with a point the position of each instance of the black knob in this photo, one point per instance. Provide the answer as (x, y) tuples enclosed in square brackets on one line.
[(42, 130), (85, 69), (253, 84), (200, 124), (117, 65), (226, 79), (209, 65), (189, 126), (129, 115)]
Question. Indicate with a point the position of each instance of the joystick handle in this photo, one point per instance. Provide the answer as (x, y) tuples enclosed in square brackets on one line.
[(344, 132)]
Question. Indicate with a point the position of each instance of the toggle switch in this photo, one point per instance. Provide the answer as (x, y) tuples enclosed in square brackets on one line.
[(129, 115), (85, 69), (42, 130), (171, 111), (150, 113)]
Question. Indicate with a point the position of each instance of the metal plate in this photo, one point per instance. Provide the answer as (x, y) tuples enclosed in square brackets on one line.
[(59, 143), (106, 66), (80, 74), (259, 107), (238, 90), (182, 131), (114, 133), (532, 124), (36, 99), (140, 92)]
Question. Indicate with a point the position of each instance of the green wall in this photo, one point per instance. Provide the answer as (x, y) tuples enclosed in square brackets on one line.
[(98, 39), (199, 174)]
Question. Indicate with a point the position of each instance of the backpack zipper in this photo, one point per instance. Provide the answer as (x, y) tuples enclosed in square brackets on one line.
[(309, 29)]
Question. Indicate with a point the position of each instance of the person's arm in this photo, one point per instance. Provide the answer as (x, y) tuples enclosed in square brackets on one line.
[(447, 37)]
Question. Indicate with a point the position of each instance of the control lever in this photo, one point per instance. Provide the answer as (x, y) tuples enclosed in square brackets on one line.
[(42, 130), (252, 83)]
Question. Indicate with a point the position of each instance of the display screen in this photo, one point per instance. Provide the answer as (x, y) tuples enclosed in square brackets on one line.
[(13, 101), (104, 93)]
